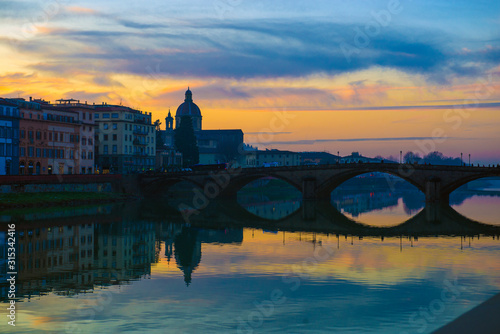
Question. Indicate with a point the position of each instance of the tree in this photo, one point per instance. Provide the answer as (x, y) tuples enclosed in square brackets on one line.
[(411, 157), (159, 138), (185, 142), (229, 149)]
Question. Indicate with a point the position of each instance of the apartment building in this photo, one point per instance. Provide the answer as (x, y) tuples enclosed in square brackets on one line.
[(125, 139), (9, 138), (86, 154)]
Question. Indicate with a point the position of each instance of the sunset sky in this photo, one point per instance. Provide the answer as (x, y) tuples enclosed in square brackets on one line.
[(370, 76)]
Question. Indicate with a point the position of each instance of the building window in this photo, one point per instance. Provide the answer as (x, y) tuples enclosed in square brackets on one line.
[(84, 140), (23, 134), (115, 137), (96, 116), (38, 153), (114, 115), (115, 149), (105, 149), (105, 137), (105, 115), (31, 150), (115, 126), (105, 126), (84, 156)]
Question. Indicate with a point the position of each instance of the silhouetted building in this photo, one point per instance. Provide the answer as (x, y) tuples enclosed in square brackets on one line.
[(215, 146), (355, 157)]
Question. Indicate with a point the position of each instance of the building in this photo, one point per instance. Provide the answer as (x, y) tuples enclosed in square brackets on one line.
[(215, 146), (125, 139), (49, 138), (355, 157), (166, 157), (9, 138), (318, 158), (272, 158), (86, 154)]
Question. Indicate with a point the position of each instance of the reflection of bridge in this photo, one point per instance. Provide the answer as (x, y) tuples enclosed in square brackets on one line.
[(322, 217), (317, 182)]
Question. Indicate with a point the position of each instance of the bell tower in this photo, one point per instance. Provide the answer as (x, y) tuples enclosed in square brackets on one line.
[(169, 122)]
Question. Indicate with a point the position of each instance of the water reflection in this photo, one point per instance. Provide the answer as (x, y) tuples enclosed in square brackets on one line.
[(270, 198), (209, 273), (71, 258), (184, 242)]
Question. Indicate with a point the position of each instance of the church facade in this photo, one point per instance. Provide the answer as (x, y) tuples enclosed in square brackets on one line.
[(215, 146)]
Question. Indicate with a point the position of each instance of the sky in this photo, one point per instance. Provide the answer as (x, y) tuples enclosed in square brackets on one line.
[(377, 77)]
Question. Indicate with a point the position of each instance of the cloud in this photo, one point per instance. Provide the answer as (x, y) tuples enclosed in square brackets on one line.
[(81, 10), (103, 80), (18, 75), (247, 49)]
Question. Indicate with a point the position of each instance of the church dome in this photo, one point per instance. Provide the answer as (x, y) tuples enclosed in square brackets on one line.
[(188, 108)]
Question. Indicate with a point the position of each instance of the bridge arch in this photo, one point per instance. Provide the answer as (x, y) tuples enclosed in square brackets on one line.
[(155, 186), (238, 182), (452, 186), (335, 181)]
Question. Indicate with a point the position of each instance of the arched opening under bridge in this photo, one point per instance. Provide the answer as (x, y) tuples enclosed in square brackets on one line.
[(378, 199)]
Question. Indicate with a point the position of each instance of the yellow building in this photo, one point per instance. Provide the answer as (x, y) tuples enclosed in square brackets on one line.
[(125, 139)]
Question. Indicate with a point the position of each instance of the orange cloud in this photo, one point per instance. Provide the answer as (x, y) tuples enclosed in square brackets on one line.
[(81, 10)]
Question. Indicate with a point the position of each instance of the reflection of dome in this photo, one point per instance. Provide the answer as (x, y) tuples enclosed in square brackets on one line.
[(188, 108), (187, 251)]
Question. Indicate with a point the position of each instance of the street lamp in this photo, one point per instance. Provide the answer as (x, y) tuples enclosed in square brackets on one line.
[(338, 156), (469, 159), (400, 157), (461, 159)]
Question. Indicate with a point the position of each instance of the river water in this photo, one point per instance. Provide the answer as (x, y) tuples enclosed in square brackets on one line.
[(270, 264)]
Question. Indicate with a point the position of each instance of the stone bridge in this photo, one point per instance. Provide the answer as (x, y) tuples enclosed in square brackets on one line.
[(317, 182)]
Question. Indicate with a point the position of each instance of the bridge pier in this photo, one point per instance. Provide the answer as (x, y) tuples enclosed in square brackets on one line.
[(309, 188), (433, 191)]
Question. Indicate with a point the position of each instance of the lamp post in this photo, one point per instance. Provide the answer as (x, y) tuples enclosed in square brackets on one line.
[(338, 157), (469, 159), (461, 159), (400, 157)]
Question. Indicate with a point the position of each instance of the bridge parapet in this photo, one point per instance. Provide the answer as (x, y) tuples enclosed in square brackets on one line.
[(317, 182)]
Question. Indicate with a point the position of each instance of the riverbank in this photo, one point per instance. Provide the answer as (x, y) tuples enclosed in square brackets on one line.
[(30, 200)]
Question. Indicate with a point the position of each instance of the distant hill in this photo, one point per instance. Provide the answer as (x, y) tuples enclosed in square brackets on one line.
[(320, 158)]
